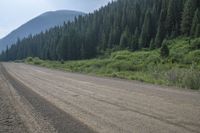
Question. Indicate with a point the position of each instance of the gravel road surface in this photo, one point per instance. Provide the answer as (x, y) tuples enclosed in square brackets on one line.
[(10, 121), (56, 101)]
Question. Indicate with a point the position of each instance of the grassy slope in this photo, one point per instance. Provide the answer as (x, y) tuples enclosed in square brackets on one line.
[(181, 68)]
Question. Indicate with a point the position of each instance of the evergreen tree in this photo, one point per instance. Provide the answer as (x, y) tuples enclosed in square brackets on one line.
[(164, 51), (137, 15), (195, 22), (171, 18), (197, 32), (134, 40), (161, 30), (152, 44), (124, 40), (178, 14), (145, 36), (187, 17), (62, 48), (103, 41), (7, 54), (111, 39)]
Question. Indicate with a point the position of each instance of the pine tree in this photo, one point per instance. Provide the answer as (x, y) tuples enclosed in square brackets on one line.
[(111, 39), (145, 36), (171, 18), (137, 14), (82, 50), (125, 39), (197, 32), (161, 30), (188, 13), (134, 40), (152, 44), (7, 54), (164, 51), (178, 14), (195, 22)]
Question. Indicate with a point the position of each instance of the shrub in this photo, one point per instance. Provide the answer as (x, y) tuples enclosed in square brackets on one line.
[(193, 56), (185, 78), (62, 61), (164, 51), (192, 80), (177, 57), (175, 76), (121, 55), (153, 58), (37, 61), (29, 59), (195, 44), (121, 66)]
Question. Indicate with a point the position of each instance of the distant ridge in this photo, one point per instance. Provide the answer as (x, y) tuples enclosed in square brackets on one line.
[(38, 24)]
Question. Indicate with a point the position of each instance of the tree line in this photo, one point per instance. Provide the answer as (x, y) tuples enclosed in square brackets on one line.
[(122, 24)]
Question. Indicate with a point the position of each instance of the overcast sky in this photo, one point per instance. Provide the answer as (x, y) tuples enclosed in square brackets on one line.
[(14, 13)]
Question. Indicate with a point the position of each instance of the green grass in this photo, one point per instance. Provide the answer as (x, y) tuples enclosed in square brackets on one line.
[(181, 68)]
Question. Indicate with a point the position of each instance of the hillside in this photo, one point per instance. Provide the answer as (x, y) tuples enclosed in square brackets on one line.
[(122, 24), (37, 25)]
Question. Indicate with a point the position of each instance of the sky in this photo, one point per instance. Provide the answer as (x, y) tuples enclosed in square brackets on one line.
[(14, 13)]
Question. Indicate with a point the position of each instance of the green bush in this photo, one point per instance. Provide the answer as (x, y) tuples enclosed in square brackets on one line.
[(62, 61), (121, 55), (37, 61), (175, 76), (154, 58), (195, 44), (121, 66), (177, 56), (192, 80), (192, 57), (164, 51), (29, 59)]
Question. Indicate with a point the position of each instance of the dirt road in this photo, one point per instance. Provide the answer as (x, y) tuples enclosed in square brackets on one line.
[(55, 101)]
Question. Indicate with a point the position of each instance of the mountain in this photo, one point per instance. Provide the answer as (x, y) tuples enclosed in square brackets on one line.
[(37, 25), (123, 24)]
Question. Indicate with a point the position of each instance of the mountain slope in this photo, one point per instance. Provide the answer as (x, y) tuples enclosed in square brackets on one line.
[(38, 24), (122, 24)]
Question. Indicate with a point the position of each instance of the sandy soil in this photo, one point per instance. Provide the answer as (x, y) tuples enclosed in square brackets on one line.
[(106, 105)]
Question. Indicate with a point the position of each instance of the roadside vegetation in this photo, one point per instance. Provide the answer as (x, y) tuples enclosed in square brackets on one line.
[(108, 37), (177, 63)]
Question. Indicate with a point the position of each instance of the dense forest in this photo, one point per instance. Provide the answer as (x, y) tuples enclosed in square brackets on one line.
[(122, 24)]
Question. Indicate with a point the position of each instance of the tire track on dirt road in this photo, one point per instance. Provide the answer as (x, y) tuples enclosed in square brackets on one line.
[(60, 120)]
